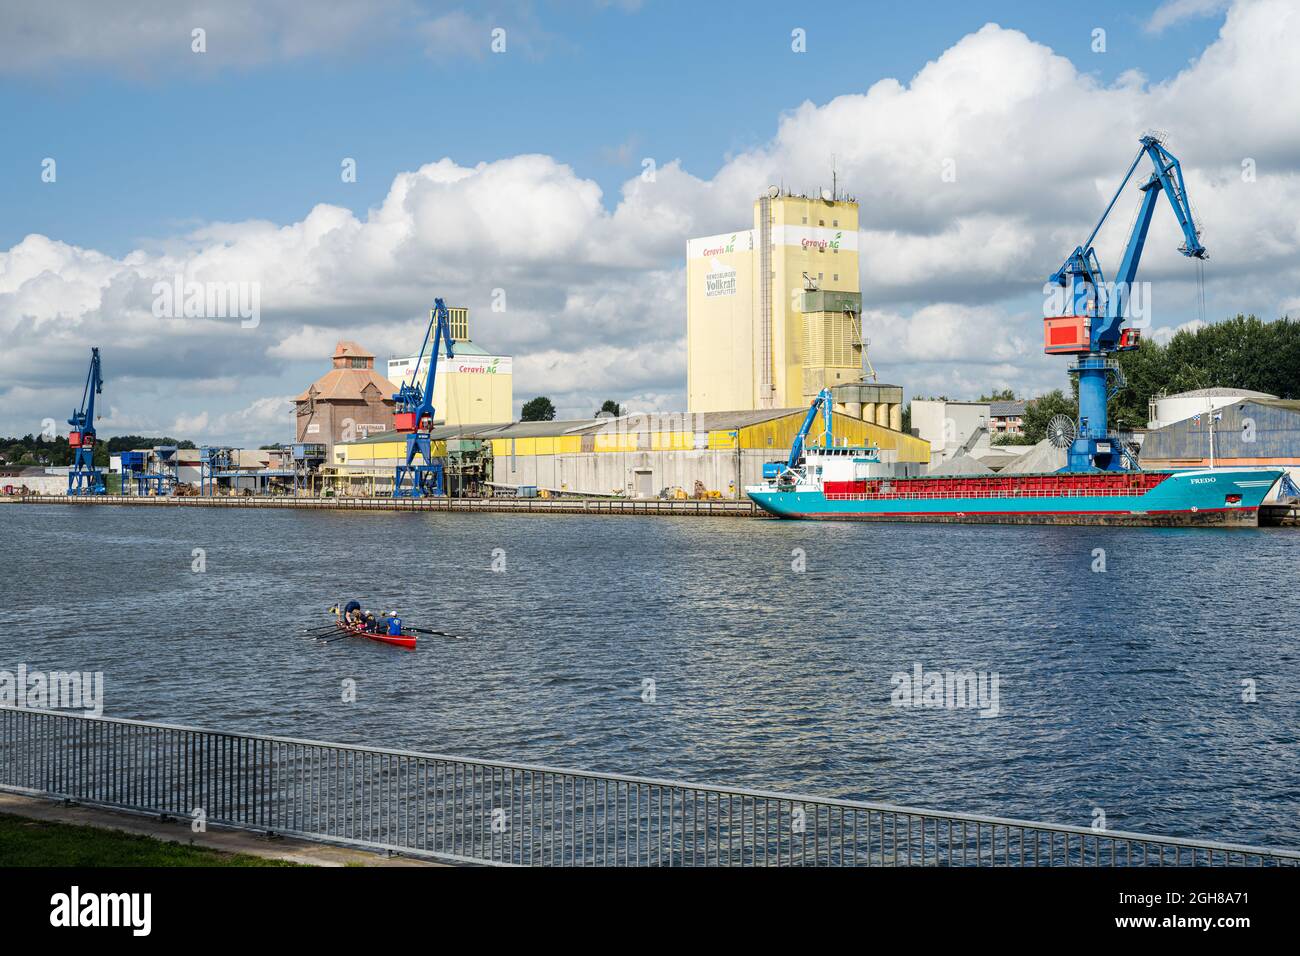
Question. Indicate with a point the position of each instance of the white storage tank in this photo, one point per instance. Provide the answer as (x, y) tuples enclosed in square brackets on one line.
[(1167, 409)]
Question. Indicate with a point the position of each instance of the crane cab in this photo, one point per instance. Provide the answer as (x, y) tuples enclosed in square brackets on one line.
[(1067, 335)]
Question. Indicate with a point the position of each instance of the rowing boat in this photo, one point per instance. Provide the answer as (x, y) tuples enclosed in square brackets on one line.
[(398, 640)]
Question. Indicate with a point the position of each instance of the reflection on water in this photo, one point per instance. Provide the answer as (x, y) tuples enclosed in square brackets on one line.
[(1119, 690)]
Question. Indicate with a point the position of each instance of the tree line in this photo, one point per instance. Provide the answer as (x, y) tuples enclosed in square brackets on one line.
[(542, 409), (33, 450), (1241, 352)]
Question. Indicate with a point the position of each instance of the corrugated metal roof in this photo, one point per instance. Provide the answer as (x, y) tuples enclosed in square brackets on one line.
[(685, 421), (1217, 392), (552, 429), (1286, 404), (627, 424), (439, 433)]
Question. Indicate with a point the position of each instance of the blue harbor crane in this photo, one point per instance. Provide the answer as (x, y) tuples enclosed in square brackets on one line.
[(413, 416), (1097, 310), (83, 477)]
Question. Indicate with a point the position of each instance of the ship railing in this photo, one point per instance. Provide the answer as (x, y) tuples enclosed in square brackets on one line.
[(460, 809), (936, 495)]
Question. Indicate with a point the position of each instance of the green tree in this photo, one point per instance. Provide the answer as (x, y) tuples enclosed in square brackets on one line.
[(1039, 411), (1000, 395), (539, 409), (131, 442), (1240, 352), (612, 407)]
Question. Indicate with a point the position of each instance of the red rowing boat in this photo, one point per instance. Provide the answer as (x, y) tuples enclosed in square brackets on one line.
[(398, 640)]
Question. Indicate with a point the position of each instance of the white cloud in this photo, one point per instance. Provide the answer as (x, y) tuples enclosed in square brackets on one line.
[(1173, 12), (269, 416), (952, 272), (949, 333)]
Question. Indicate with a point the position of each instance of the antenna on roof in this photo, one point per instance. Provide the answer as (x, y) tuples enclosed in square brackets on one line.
[(835, 186)]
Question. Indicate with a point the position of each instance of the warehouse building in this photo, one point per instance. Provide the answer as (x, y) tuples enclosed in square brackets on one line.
[(1249, 431), (952, 427), (636, 456), (774, 313)]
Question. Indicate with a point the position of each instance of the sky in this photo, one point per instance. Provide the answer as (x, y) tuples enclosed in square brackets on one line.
[(553, 158)]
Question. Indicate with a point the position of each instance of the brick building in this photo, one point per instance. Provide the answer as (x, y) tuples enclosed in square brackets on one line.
[(349, 402)]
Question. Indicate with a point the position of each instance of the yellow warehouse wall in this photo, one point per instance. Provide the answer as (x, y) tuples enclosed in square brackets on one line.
[(371, 452), (780, 433), (776, 434)]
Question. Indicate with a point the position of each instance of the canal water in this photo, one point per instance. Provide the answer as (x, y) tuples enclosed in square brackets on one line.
[(759, 653)]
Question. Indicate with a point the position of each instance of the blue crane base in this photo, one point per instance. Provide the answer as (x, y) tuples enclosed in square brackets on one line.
[(426, 479), (83, 477)]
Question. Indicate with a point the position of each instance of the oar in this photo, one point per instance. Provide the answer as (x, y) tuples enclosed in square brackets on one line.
[(425, 630), (341, 637)]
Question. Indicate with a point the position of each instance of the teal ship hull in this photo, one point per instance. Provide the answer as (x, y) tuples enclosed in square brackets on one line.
[(1216, 497)]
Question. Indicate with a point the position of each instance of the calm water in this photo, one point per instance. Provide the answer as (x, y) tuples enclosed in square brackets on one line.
[(1119, 690)]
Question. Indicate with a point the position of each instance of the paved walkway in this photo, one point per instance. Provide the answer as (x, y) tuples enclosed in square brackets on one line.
[(178, 831)]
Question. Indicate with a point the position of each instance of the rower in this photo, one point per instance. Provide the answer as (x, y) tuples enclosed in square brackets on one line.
[(352, 612), (394, 624)]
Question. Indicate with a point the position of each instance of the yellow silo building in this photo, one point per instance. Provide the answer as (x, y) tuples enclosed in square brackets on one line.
[(774, 313)]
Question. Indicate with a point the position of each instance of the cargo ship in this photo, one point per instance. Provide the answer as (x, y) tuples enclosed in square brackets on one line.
[(842, 483), (1102, 481)]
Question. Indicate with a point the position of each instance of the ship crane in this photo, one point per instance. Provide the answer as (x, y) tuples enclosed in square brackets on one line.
[(413, 416), (83, 477), (1092, 329), (824, 403)]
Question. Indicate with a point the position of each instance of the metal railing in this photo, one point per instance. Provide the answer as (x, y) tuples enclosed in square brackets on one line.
[(458, 809)]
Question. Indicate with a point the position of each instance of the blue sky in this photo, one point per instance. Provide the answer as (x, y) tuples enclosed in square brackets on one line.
[(521, 171), (142, 157)]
